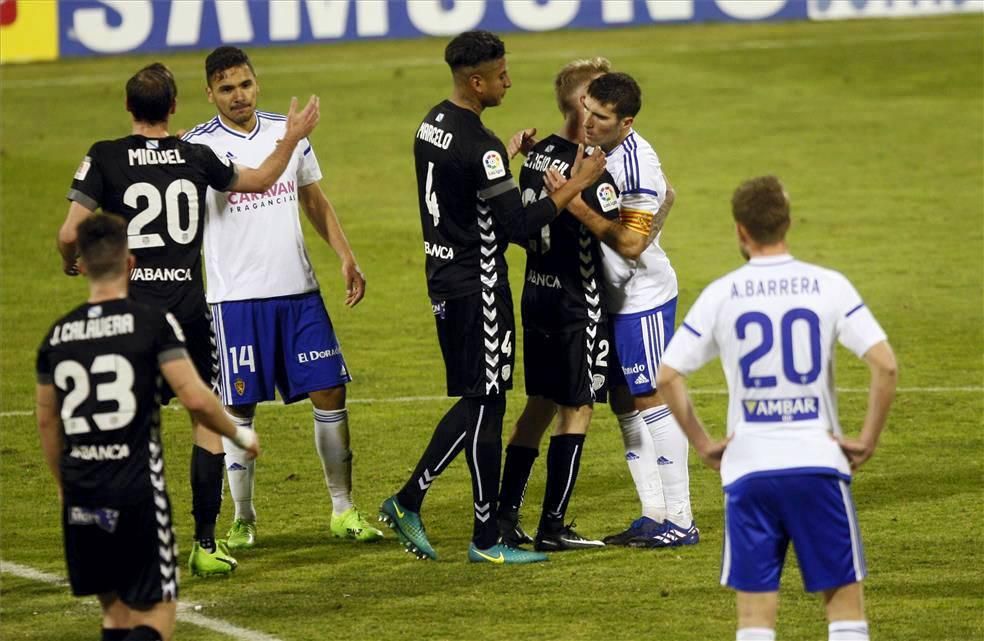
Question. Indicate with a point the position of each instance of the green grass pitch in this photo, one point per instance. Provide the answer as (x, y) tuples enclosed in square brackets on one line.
[(875, 126)]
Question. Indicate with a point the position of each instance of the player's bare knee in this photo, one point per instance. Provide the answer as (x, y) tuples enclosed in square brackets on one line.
[(247, 411), (845, 602), (329, 399), (573, 420)]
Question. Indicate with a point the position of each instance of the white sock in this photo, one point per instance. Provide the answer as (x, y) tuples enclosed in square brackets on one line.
[(641, 458), (756, 634), (240, 472), (671, 447), (331, 438), (848, 631)]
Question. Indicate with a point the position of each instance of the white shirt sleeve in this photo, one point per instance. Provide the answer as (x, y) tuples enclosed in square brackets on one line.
[(693, 344), (856, 327), (308, 169)]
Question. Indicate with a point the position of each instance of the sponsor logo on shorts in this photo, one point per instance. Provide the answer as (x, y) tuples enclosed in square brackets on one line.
[(440, 308), (506, 372), (103, 517), (597, 382), (240, 386), (641, 379), (781, 410), (635, 369), (314, 354)]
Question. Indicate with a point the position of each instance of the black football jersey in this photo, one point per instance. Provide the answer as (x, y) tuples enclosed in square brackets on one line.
[(470, 206), (158, 185), (562, 289), (103, 360)]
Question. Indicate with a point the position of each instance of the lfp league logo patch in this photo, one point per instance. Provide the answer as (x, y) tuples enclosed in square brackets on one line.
[(494, 167), (607, 197)]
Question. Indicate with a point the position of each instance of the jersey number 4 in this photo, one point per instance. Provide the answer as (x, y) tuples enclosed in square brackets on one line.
[(430, 196), (152, 209), (786, 325), (72, 378)]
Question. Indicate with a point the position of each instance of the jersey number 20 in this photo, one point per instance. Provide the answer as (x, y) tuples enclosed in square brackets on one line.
[(172, 210), (792, 374)]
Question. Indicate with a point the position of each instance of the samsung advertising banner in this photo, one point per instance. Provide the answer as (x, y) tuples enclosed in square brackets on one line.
[(47, 29)]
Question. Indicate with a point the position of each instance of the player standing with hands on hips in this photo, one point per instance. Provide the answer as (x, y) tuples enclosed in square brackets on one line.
[(785, 465)]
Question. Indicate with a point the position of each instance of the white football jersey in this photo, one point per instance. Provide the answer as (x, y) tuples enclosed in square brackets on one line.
[(774, 323), (643, 284), (254, 246)]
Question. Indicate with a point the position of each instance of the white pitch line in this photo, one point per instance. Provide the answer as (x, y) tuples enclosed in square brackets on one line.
[(186, 611), (77, 80), (971, 389)]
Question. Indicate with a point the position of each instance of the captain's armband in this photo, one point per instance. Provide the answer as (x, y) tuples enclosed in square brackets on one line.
[(637, 220)]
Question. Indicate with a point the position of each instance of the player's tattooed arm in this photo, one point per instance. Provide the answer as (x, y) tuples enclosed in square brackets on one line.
[(321, 213), (50, 430), (68, 235), (299, 125), (659, 219)]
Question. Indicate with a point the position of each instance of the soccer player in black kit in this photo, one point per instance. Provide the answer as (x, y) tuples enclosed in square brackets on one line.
[(158, 182), (470, 209), (566, 347), (98, 414)]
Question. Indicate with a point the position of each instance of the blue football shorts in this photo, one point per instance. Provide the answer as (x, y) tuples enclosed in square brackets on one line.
[(287, 343), (814, 511), (640, 339)]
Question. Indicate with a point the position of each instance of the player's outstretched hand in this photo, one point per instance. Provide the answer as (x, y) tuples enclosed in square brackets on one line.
[(712, 455), (522, 142), (588, 168), (355, 283), (301, 123), (553, 180), (856, 450)]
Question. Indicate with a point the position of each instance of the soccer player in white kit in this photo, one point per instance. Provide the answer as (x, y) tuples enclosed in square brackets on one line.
[(641, 290), (271, 324), (785, 466)]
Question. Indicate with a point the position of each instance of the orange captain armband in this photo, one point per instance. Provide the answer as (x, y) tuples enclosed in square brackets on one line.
[(637, 220)]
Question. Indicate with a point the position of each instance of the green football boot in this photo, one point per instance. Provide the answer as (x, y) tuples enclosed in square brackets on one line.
[(350, 524), (242, 535), (408, 527), (201, 562), (501, 554)]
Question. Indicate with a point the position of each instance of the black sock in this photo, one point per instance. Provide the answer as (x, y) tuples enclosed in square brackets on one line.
[(445, 444), (143, 633), (206, 492), (563, 463), (515, 476), (115, 634), (484, 454)]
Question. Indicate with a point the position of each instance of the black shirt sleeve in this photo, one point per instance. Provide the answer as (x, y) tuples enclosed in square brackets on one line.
[(43, 365), (170, 342), (87, 186), (499, 189), (219, 172)]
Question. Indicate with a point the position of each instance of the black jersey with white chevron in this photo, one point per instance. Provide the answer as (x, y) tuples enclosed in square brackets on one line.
[(104, 361), (562, 289)]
